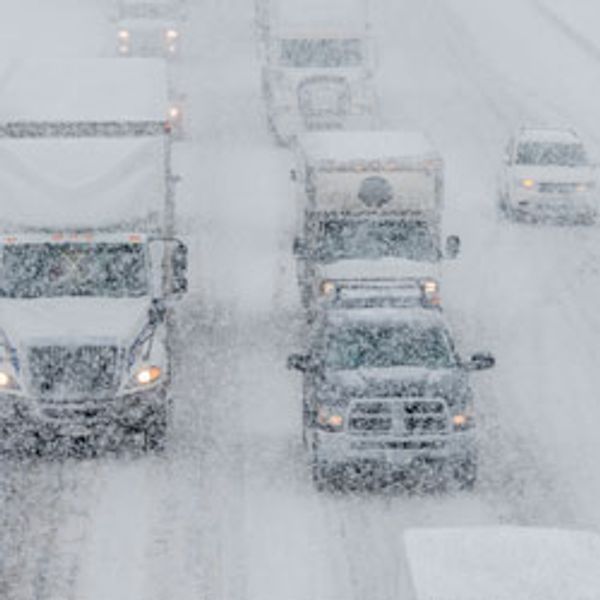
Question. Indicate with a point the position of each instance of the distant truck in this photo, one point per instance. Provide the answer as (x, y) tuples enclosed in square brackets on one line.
[(89, 265), (502, 562), (319, 66), (370, 207), (149, 28)]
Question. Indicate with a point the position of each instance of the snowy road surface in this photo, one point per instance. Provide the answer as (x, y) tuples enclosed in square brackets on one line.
[(229, 512)]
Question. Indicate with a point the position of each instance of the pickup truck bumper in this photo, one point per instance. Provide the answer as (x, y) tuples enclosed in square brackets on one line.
[(338, 451), (21, 415)]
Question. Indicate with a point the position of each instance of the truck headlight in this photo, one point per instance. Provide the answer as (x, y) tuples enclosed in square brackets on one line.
[(327, 288), (148, 375), (5, 380), (171, 34), (123, 35), (330, 419), (430, 291), (463, 421), (527, 183)]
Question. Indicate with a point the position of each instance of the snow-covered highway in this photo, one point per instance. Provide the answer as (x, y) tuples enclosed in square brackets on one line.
[(229, 512)]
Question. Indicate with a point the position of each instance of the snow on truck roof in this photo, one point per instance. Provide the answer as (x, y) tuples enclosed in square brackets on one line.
[(77, 183), (566, 136), (100, 89), (504, 563), (349, 146)]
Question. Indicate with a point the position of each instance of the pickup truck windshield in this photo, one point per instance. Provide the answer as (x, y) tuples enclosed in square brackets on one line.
[(73, 269), (366, 238), (543, 153), (365, 346), (321, 53)]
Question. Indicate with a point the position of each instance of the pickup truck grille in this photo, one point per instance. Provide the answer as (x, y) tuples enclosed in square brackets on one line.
[(323, 96), (63, 373), (399, 418)]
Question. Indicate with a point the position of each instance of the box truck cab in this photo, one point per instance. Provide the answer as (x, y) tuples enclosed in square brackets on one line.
[(370, 207)]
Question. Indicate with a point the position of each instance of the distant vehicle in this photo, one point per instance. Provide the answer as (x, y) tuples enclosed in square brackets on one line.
[(547, 175), (149, 28), (319, 65), (385, 394), (89, 265), (504, 563), (370, 206)]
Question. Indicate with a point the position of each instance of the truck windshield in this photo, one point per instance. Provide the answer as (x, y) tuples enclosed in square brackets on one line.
[(74, 269), (543, 153), (383, 346), (366, 238), (321, 53)]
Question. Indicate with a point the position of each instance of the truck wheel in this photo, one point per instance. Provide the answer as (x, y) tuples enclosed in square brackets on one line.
[(155, 432), (465, 474)]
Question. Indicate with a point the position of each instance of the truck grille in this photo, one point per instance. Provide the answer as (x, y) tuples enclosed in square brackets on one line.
[(324, 96), (558, 188), (399, 418), (64, 373)]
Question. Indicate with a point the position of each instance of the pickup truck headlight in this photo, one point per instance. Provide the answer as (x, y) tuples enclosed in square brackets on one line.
[(148, 375), (330, 419), (171, 34)]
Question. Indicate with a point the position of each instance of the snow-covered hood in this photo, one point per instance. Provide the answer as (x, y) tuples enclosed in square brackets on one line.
[(343, 386), (555, 174), (292, 77), (72, 321), (378, 268)]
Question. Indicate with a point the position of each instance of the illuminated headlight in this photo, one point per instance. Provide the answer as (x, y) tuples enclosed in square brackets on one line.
[(123, 35), (174, 113), (431, 292), (463, 421), (330, 419), (171, 34), (148, 375), (328, 288), (6, 380), (527, 183), (585, 187)]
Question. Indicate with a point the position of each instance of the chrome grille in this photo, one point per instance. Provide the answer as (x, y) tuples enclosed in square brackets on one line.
[(399, 418), (63, 373)]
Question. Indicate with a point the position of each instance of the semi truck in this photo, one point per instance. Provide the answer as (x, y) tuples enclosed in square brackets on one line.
[(89, 263)]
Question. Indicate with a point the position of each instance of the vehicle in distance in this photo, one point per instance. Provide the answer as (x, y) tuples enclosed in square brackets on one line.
[(149, 28), (386, 395), (547, 175), (504, 563), (318, 71), (370, 209)]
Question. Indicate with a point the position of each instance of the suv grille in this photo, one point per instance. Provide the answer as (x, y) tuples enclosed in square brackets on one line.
[(399, 418), (62, 373)]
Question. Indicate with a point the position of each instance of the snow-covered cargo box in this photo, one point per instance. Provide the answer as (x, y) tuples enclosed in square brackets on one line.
[(98, 89), (371, 171), (503, 563)]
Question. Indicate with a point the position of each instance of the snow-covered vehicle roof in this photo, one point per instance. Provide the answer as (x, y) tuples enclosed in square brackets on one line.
[(504, 563), (79, 183), (366, 146), (151, 9), (565, 136), (99, 89)]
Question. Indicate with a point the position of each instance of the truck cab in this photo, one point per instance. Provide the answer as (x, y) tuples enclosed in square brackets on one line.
[(149, 28), (318, 73), (370, 208)]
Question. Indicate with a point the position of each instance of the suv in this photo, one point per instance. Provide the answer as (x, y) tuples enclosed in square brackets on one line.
[(547, 175), (385, 393)]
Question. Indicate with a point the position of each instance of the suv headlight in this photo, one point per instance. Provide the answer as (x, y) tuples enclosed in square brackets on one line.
[(148, 375)]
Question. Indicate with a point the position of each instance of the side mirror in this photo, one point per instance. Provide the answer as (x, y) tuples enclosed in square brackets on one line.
[(480, 362), (298, 362), (300, 249), (157, 312), (179, 264), (452, 246)]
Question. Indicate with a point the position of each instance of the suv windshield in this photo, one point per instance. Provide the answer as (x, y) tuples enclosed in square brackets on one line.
[(367, 238), (321, 53), (74, 269), (544, 153), (384, 346)]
